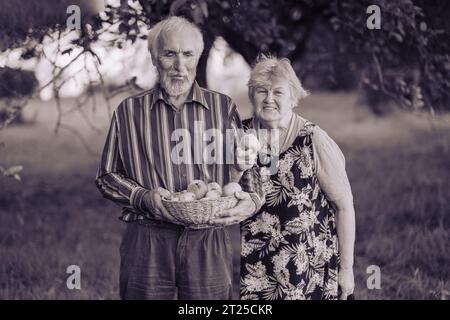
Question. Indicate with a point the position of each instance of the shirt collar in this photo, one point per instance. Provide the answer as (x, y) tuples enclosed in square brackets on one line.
[(195, 95)]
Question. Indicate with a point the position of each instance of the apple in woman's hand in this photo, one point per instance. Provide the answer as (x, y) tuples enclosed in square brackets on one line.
[(250, 141), (230, 188), (198, 188), (247, 151)]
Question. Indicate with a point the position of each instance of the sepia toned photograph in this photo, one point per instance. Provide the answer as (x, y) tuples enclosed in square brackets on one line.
[(225, 150)]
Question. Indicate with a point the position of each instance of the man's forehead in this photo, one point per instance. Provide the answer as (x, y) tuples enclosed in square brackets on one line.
[(184, 40)]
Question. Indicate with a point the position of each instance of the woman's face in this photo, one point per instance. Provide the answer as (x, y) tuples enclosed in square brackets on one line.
[(273, 102)]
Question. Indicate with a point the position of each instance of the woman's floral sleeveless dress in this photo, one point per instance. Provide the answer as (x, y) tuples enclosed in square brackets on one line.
[(290, 247)]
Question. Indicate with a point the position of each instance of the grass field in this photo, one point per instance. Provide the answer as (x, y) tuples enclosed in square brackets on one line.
[(398, 167)]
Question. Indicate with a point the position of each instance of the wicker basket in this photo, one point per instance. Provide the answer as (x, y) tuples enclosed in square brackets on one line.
[(197, 213)]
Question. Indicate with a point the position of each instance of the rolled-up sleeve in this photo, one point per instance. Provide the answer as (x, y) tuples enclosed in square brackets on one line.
[(112, 180), (330, 167)]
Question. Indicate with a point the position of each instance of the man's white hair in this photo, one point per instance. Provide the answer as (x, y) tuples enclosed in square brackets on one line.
[(172, 24), (268, 67)]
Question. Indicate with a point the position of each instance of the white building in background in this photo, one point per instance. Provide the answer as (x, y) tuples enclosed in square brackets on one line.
[(117, 66), (228, 72)]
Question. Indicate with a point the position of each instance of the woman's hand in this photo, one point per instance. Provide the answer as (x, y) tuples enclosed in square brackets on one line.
[(246, 151), (346, 282)]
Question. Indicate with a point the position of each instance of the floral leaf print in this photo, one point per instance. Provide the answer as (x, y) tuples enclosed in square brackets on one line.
[(315, 266), (280, 261), (295, 226), (287, 180), (323, 201), (284, 165), (252, 245), (331, 285), (305, 163), (251, 284), (249, 296), (324, 226), (257, 270), (276, 288), (322, 251), (265, 223), (267, 187), (295, 292), (277, 195), (303, 157), (305, 221), (316, 280), (268, 225), (301, 198), (272, 243), (256, 280), (307, 130), (316, 191), (298, 253)]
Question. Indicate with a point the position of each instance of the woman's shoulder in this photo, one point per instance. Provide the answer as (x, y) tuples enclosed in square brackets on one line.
[(325, 145), (321, 137), (319, 134)]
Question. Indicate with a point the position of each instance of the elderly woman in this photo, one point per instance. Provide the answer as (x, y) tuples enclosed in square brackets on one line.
[(290, 247)]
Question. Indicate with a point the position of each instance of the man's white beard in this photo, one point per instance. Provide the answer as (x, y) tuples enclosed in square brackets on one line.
[(176, 87)]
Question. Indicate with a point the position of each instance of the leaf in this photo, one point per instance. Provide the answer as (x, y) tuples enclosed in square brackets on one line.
[(397, 36), (17, 177), (13, 170)]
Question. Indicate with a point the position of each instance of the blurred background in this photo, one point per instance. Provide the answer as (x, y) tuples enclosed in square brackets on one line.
[(382, 94)]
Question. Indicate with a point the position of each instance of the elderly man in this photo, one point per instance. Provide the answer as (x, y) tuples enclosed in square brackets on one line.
[(161, 259)]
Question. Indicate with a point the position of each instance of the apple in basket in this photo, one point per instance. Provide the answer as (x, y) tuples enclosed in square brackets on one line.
[(166, 194), (186, 196), (213, 194), (198, 188), (214, 186), (231, 188), (172, 196)]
